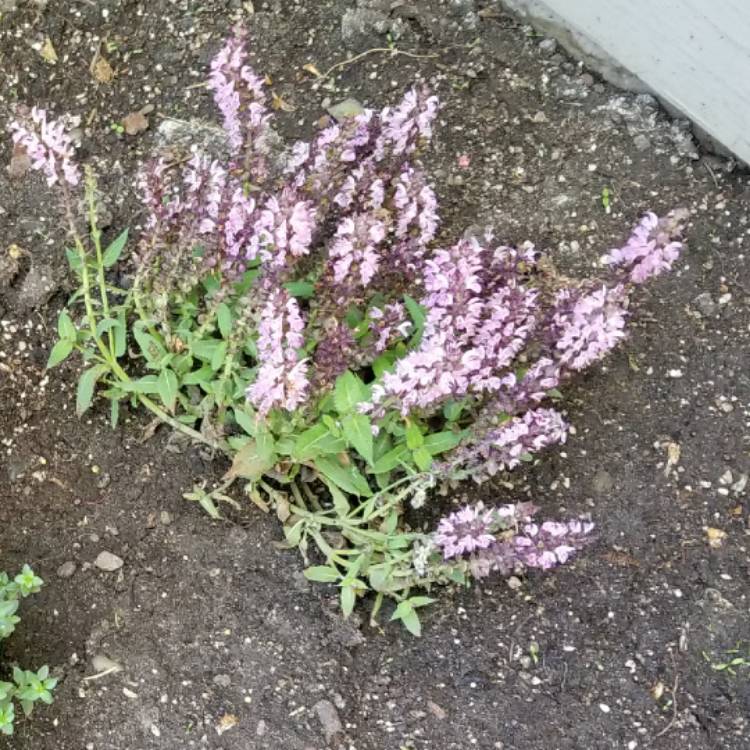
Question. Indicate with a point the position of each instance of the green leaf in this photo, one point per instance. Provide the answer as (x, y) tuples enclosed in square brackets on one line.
[(316, 441), (148, 384), (439, 442), (420, 601), (237, 441), (60, 352), (74, 260), (224, 319), (114, 412), (151, 348), (205, 349), (554, 393), (406, 613), (348, 392), (86, 386), (414, 436), (113, 252), (347, 478), (340, 503), (418, 315), (379, 578), (348, 598), (254, 459), (358, 431), (168, 388), (66, 328), (104, 325), (219, 355), (198, 376), (526, 457), (390, 460), (452, 410), (245, 421), (422, 458), (384, 363), (322, 574), (302, 289)]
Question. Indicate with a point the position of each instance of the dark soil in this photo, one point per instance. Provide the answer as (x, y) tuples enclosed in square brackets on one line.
[(209, 620)]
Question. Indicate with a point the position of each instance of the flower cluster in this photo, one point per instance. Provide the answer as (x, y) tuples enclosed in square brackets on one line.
[(651, 249), (505, 540), (299, 299), (239, 95), (282, 376), (505, 447), (48, 145)]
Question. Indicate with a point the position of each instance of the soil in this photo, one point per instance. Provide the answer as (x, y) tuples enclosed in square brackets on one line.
[(210, 622)]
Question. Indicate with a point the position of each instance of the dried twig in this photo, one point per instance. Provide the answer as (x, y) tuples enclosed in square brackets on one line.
[(675, 685), (394, 51)]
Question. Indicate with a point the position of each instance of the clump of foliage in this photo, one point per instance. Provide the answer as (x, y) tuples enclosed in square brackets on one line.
[(292, 310), (27, 687)]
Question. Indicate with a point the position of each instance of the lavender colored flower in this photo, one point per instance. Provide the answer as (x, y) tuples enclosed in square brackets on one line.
[(587, 326), (550, 544), (282, 380), (356, 246), (465, 531), (49, 147), (519, 393), (388, 325), (505, 540), (652, 247), (238, 93), (503, 448), (285, 227), (416, 206), (410, 121), (478, 321)]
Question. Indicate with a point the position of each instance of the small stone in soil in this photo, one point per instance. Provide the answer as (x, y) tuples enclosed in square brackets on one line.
[(66, 570), (705, 304), (329, 718), (641, 142), (548, 47), (223, 680), (108, 562), (602, 484)]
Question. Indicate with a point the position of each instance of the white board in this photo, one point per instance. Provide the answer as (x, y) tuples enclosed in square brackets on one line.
[(693, 54)]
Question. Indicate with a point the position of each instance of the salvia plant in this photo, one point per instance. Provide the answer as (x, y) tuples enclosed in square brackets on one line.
[(291, 309), (27, 687)]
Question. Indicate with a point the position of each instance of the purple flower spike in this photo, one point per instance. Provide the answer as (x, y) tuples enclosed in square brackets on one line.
[(585, 327), (238, 93), (652, 248), (552, 543), (465, 531), (282, 378), (48, 146), (485, 538)]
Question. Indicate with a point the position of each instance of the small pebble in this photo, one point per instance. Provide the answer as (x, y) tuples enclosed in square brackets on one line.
[(329, 718), (548, 47), (66, 570), (108, 562), (641, 142)]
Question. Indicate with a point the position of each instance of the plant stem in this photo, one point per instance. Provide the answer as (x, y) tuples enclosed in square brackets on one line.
[(177, 425), (96, 236)]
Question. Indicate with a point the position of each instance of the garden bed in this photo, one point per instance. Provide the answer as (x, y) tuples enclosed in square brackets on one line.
[(222, 642)]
